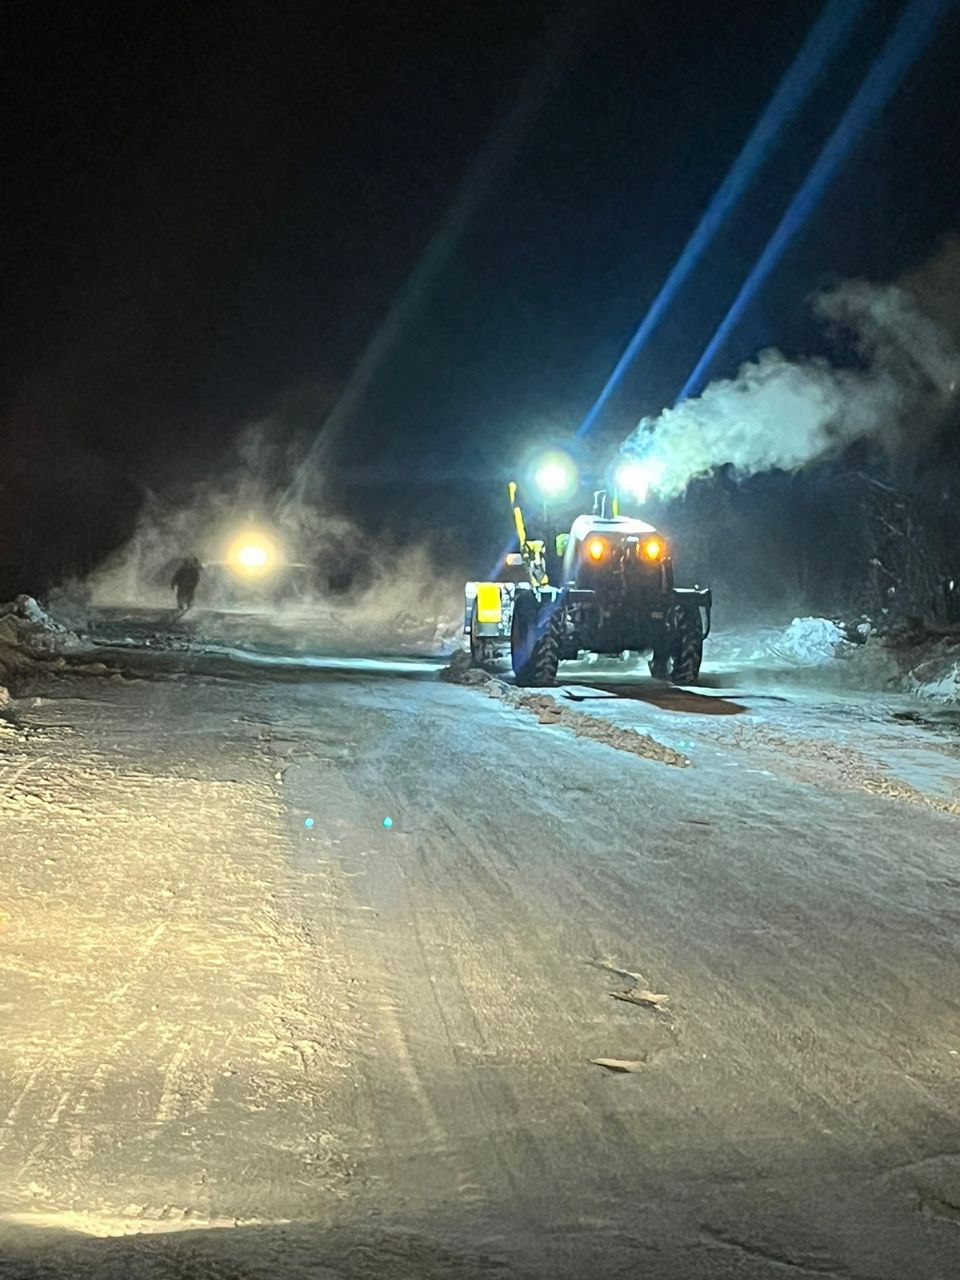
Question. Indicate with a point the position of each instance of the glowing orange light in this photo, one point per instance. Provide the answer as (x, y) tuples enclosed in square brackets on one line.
[(651, 549), (597, 548)]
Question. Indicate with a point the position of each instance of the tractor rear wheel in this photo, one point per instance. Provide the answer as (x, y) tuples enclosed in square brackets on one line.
[(688, 644), (535, 639)]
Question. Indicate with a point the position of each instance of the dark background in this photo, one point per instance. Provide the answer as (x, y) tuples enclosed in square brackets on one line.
[(208, 210)]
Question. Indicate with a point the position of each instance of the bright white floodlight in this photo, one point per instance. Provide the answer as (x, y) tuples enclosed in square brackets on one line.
[(636, 478), (253, 554), (556, 476)]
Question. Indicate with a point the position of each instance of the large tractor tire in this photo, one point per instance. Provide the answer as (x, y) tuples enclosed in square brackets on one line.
[(660, 665), (535, 640), (482, 650), (688, 644)]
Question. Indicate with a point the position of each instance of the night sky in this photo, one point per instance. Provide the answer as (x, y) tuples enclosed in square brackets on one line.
[(209, 209)]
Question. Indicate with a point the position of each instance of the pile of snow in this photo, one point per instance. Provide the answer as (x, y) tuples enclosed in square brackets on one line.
[(937, 677), (851, 656), (28, 636), (812, 642)]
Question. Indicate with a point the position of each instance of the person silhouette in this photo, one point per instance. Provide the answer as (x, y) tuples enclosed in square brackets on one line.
[(185, 582)]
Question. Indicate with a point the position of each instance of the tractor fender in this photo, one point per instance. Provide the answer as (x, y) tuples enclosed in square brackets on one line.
[(701, 596)]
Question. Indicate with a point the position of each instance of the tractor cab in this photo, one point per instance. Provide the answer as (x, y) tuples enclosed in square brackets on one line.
[(597, 545)]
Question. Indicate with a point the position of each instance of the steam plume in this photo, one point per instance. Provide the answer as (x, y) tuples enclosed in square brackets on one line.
[(781, 414)]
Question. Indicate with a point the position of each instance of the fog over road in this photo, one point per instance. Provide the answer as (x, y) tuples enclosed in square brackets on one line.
[(249, 1031)]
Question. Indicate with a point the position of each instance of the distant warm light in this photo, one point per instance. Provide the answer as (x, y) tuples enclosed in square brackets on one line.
[(556, 476), (596, 548), (652, 549), (252, 554)]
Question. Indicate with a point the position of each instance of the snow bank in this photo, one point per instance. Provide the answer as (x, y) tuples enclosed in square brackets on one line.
[(29, 637), (807, 643), (812, 642), (937, 677), (825, 653)]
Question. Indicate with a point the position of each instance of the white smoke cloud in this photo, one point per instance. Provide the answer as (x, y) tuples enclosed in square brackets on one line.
[(782, 414), (337, 585)]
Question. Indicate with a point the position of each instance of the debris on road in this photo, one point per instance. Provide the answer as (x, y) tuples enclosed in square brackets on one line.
[(609, 967), (639, 995), (623, 1065), (460, 670), (549, 711)]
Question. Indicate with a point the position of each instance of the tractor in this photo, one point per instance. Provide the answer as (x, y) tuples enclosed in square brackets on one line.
[(604, 586)]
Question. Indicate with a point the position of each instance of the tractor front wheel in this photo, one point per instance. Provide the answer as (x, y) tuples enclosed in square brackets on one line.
[(688, 644), (481, 650), (660, 665), (535, 639)]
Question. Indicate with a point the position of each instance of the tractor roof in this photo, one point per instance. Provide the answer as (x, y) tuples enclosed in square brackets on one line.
[(617, 526)]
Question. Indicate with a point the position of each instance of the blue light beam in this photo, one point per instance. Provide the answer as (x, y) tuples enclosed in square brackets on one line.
[(823, 42), (903, 47), (494, 160)]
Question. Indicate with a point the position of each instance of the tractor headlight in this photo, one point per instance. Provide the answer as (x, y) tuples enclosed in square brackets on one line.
[(556, 476), (636, 478)]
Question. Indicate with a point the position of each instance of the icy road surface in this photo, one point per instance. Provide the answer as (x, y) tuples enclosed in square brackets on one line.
[(251, 1032)]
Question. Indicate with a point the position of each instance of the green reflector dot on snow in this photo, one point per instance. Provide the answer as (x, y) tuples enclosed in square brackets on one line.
[(388, 823), (308, 823)]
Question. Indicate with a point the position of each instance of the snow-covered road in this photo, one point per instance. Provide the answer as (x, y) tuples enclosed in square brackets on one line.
[(232, 995)]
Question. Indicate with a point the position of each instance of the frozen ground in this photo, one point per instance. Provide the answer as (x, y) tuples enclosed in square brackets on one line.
[(251, 1032)]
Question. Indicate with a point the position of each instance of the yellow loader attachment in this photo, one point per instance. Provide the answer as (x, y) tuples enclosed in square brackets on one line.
[(517, 514), (532, 551)]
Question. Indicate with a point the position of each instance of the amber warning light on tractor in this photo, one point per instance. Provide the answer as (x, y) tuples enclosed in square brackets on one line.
[(651, 549), (596, 548)]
